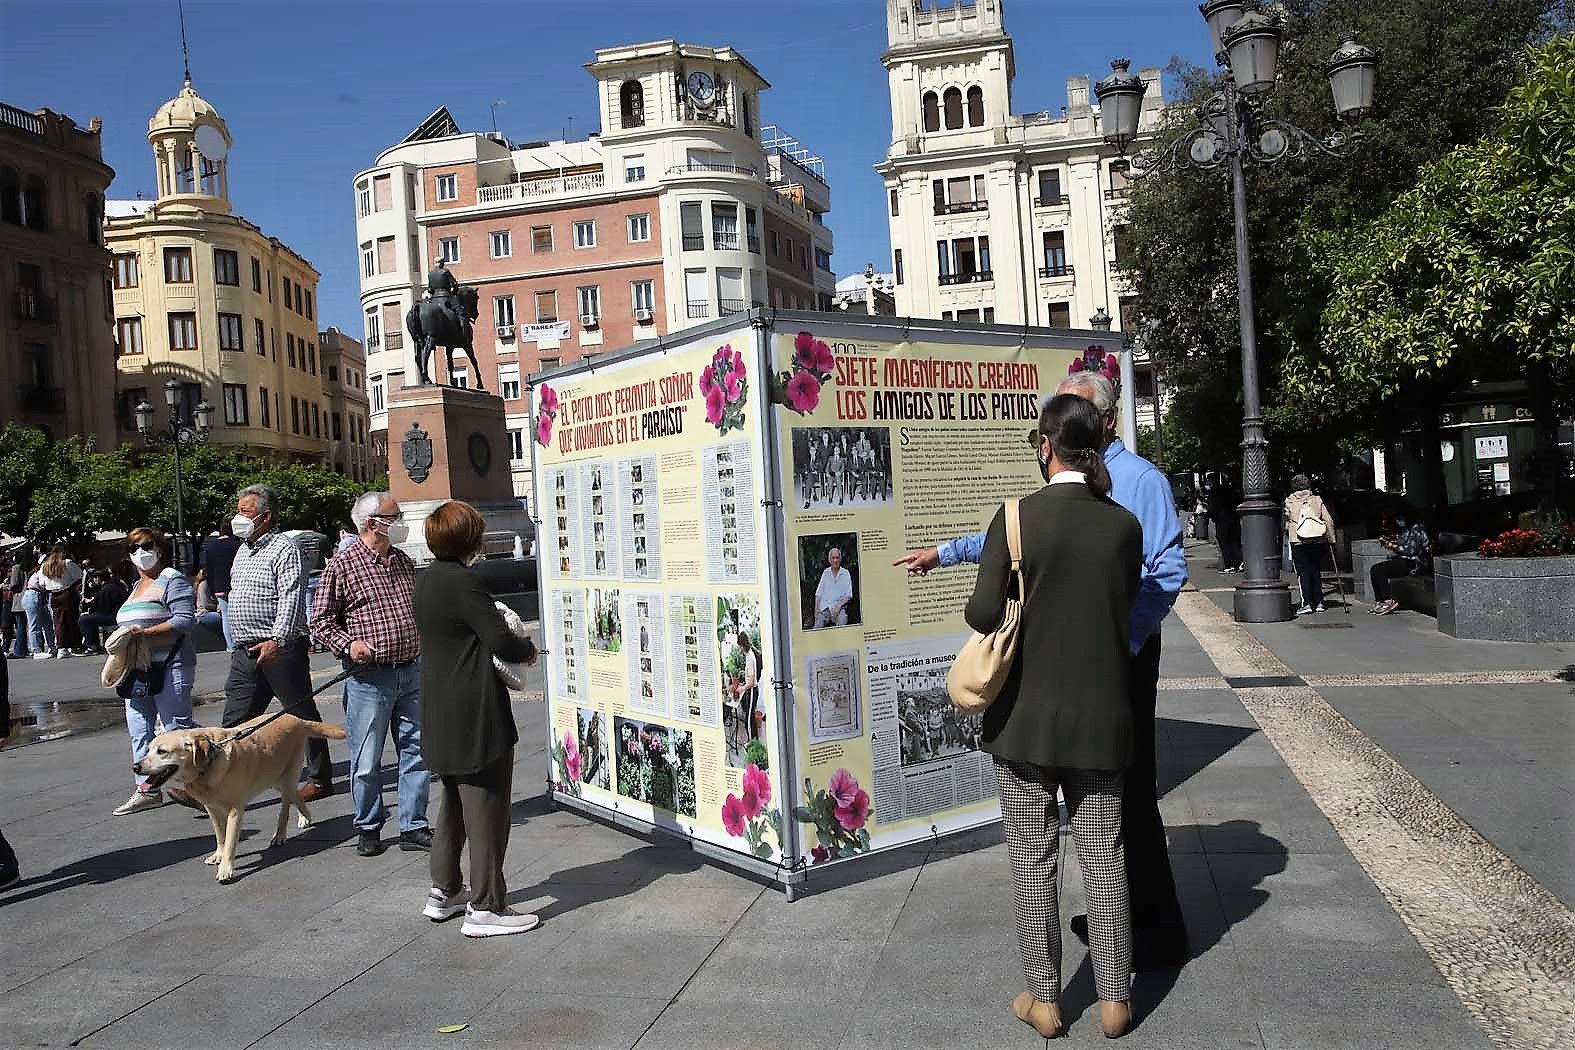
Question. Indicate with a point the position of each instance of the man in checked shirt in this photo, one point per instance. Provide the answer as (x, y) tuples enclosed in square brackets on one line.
[(268, 621), (363, 613)]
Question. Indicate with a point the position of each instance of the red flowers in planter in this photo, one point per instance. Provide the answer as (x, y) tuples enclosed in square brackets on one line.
[(1550, 539)]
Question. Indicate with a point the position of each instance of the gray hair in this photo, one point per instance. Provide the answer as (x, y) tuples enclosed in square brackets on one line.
[(1103, 390), (267, 499), (366, 507)]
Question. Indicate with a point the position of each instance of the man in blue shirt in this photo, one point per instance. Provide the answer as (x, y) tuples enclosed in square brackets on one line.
[(1159, 937)]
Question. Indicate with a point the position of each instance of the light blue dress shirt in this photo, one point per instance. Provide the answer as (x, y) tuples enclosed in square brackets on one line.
[(1138, 486)]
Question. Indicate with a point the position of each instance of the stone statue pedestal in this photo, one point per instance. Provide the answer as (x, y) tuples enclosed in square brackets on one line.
[(448, 443)]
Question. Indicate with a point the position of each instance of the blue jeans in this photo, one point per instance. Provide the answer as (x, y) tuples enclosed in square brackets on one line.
[(377, 698), (172, 706), (40, 622)]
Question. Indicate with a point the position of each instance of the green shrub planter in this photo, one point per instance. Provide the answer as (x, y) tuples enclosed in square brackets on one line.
[(1506, 599)]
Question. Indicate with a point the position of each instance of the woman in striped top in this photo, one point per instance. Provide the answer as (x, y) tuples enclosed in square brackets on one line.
[(162, 609)]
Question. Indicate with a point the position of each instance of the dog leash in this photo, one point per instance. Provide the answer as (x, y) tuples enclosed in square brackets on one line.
[(284, 710)]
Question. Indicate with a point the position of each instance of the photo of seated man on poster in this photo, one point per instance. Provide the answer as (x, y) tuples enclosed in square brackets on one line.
[(828, 580)]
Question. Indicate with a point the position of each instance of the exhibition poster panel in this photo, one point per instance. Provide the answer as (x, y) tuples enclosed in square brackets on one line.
[(649, 476), (885, 448)]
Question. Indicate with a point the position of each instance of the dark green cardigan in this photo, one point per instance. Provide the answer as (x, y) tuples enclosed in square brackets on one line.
[(1065, 702), (466, 722)]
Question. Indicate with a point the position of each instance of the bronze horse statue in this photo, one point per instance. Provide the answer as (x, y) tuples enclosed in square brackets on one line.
[(435, 322)]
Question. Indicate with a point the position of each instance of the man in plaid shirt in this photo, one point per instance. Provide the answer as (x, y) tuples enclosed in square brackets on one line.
[(363, 612), (268, 620)]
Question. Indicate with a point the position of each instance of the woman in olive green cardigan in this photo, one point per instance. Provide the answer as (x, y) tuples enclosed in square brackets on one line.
[(1062, 718), (467, 726)]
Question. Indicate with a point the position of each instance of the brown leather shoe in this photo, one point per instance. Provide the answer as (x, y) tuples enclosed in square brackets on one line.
[(1115, 1017), (1043, 1017), (311, 789)]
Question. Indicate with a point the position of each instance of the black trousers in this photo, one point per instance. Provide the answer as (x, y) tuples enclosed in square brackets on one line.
[(1156, 914), (1309, 557), (93, 626), (250, 688), (1384, 571), (7, 856)]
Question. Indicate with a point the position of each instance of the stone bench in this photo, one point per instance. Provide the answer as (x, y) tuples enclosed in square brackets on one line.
[(1506, 599)]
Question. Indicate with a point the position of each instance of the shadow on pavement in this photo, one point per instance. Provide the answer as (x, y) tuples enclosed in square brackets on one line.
[(1187, 748), (606, 880), (115, 865), (1257, 857)]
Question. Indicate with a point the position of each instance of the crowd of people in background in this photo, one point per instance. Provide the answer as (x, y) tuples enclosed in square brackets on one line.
[(274, 597)]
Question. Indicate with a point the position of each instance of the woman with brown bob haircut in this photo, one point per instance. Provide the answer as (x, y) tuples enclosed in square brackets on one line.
[(468, 734), (162, 610)]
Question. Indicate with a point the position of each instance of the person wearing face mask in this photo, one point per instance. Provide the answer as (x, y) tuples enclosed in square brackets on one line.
[(162, 609), (363, 612), (268, 620)]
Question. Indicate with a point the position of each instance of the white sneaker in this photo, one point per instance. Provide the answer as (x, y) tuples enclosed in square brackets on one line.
[(441, 909), (1305, 610), (43, 656), (496, 923), (139, 801), (1320, 608), (64, 654)]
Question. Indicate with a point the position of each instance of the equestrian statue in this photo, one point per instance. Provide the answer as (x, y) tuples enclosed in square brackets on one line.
[(445, 318)]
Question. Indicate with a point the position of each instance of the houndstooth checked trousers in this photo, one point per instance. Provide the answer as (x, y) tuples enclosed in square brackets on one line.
[(1033, 825)]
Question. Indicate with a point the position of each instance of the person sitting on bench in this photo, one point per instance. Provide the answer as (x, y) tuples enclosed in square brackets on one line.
[(1408, 556)]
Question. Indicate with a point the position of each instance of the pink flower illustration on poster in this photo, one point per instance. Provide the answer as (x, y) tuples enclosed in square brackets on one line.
[(567, 763), (725, 384), (811, 369), (839, 812), (745, 815), (1096, 360), (546, 413)]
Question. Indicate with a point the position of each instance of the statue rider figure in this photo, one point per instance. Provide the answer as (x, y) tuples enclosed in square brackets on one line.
[(442, 286)]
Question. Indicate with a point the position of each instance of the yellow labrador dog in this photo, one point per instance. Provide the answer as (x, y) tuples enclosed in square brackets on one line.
[(224, 769)]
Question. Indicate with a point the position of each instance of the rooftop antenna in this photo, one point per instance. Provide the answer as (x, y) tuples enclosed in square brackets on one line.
[(495, 104), (568, 129), (185, 55)]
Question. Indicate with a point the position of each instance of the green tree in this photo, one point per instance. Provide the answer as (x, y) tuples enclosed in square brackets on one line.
[(1445, 64), (24, 464), (1470, 274)]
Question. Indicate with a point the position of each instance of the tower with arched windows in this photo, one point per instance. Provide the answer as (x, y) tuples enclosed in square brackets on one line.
[(191, 146), (995, 215)]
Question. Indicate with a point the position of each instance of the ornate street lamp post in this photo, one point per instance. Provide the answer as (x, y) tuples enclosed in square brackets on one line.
[(178, 433), (1233, 130)]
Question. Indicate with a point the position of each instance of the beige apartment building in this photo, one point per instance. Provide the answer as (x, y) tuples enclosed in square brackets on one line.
[(57, 356), (681, 208), (204, 296), (997, 215), (342, 362)]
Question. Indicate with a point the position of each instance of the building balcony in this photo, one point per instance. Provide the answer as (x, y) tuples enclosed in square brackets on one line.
[(714, 169), (958, 207), (976, 277), (1061, 270), (31, 306), (1059, 200), (724, 307), (12, 117), (725, 242), (540, 189), (50, 400), (754, 244), (1116, 193), (694, 242), (699, 309), (393, 340)]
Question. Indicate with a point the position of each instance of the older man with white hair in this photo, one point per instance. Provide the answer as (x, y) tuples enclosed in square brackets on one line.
[(1159, 937), (364, 612)]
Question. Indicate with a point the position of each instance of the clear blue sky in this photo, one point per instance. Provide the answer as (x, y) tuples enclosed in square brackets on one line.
[(312, 90)]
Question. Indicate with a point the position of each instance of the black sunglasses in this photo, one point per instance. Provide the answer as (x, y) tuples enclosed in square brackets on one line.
[(145, 547)]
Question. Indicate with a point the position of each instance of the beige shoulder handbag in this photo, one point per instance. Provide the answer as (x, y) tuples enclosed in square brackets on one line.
[(980, 670)]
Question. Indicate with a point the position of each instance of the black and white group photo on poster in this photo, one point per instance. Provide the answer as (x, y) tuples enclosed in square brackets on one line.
[(738, 651), (932, 728), (595, 769), (841, 467), (828, 568), (834, 696)]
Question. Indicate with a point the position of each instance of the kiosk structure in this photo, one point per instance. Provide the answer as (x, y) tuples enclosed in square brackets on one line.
[(731, 654)]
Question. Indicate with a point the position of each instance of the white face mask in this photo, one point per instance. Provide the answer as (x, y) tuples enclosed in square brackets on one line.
[(144, 560), (242, 526), (398, 533)]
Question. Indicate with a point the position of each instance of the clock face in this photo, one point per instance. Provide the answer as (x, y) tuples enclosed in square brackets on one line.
[(701, 87)]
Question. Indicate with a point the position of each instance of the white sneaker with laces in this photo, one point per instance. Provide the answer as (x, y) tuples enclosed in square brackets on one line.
[(1305, 610), (496, 923), (441, 909), (1320, 608), (42, 656), (140, 800)]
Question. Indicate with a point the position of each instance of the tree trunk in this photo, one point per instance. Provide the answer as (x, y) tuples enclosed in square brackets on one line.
[(1547, 460)]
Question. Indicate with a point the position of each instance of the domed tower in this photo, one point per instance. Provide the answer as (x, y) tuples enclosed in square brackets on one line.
[(190, 146)]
